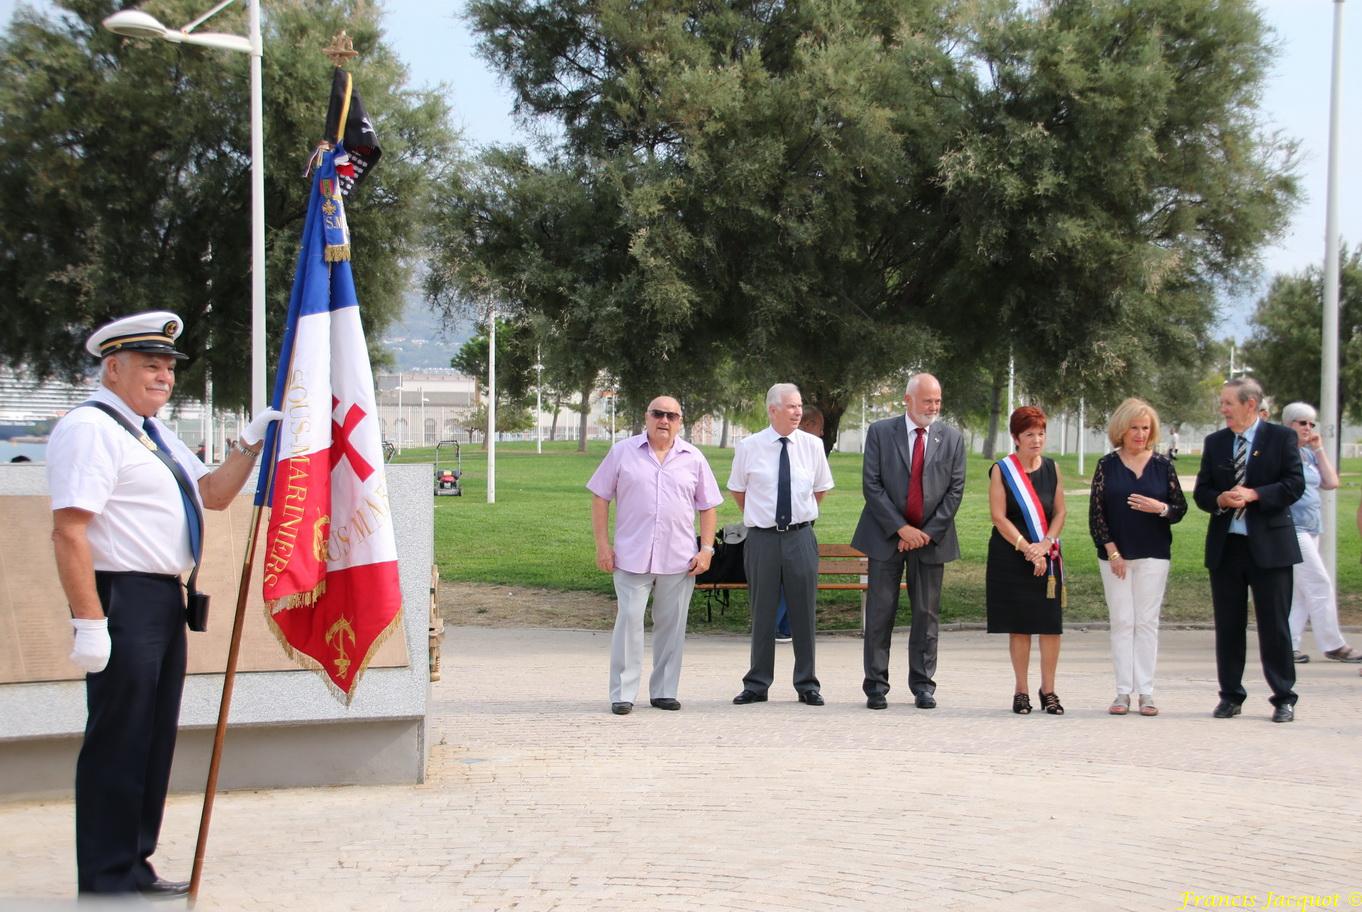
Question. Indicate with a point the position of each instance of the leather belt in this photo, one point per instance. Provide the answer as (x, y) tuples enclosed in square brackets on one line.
[(164, 577), (778, 530)]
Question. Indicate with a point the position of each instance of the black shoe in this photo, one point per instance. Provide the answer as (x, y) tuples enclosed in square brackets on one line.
[(621, 709), (1050, 703), (1226, 710), (749, 696), (811, 697), (925, 701), (665, 703), (1284, 713), (164, 889), (876, 701)]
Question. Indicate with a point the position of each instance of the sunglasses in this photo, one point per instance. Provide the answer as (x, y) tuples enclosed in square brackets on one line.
[(1304, 422), (659, 414)]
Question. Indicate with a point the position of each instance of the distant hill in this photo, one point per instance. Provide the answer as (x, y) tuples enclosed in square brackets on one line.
[(419, 340)]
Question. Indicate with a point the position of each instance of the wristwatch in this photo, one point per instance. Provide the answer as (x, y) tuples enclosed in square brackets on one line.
[(245, 450), (1164, 511), (708, 549)]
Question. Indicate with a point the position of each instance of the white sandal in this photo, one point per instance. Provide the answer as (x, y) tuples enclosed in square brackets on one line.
[(1120, 706), (1147, 707)]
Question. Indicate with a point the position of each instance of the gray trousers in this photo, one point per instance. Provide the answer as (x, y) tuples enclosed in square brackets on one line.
[(671, 604), (882, 604), (776, 560)]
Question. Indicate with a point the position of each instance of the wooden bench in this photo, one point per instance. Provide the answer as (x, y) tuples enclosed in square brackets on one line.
[(835, 564)]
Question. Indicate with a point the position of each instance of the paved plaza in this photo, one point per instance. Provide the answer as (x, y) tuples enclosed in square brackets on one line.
[(539, 799)]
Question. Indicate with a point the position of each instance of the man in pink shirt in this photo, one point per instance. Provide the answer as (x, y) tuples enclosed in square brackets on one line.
[(658, 482)]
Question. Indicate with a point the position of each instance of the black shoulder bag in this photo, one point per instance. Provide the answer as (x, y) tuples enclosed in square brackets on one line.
[(196, 605)]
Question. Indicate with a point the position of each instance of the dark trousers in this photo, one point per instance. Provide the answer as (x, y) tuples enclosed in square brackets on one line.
[(774, 560), (881, 608), (1271, 587), (123, 771)]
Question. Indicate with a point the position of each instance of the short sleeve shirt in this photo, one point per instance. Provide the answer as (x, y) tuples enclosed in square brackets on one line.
[(756, 470), (94, 464), (655, 503)]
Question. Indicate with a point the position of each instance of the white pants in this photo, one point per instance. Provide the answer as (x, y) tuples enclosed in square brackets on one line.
[(671, 604), (1133, 604), (1312, 598)]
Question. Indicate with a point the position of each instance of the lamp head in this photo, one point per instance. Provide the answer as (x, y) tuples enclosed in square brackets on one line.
[(135, 24)]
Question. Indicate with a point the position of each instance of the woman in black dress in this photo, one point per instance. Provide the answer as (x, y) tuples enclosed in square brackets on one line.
[(1023, 583)]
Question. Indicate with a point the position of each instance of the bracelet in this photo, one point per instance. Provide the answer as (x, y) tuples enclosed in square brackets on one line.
[(245, 450), (1017, 545), (1115, 555), (708, 549), (1164, 511)]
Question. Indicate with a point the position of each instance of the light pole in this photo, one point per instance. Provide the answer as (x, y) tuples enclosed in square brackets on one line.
[(539, 403), (424, 400), (1328, 392), (491, 404), (137, 24)]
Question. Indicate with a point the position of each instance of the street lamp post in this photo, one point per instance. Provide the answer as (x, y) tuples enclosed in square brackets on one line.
[(1328, 393), (137, 24), (424, 400), (539, 404), (491, 404)]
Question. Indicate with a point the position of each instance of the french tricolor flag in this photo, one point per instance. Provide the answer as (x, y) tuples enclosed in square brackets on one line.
[(330, 566)]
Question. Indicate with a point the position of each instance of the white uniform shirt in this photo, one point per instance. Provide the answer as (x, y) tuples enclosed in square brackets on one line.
[(94, 464), (756, 469)]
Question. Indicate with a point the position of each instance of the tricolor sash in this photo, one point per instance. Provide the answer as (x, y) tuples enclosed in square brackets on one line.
[(1037, 526)]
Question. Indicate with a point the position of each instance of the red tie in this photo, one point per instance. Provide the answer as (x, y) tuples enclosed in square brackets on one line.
[(913, 512)]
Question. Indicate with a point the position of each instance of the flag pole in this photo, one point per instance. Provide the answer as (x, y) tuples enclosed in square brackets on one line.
[(228, 681)]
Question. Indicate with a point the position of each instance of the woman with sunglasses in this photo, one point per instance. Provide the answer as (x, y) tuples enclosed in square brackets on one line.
[(1312, 592)]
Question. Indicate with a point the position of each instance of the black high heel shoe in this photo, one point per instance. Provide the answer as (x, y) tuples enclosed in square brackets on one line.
[(1050, 703), (1021, 704)]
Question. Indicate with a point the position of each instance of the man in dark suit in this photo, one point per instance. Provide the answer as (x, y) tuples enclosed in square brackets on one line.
[(913, 478), (1250, 475)]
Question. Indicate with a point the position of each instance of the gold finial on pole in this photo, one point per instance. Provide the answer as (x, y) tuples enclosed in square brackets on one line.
[(342, 48)]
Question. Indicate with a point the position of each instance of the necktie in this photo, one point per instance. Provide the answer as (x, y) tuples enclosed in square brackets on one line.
[(913, 512), (1240, 466), (191, 507), (783, 511)]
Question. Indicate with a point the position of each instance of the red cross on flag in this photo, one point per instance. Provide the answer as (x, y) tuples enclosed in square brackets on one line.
[(331, 587)]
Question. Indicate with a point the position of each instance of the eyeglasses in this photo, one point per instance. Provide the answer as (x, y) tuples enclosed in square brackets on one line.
[(1305, 422), (659, 414)]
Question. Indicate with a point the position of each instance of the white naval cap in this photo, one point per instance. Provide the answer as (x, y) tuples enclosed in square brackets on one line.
[(153, 332)]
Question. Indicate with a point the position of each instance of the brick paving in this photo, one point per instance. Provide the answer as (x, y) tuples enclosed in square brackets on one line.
[(539, 799)]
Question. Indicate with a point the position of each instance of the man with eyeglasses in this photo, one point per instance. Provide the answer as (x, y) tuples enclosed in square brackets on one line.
[(659, 482), (779, 477), (1250, 476)]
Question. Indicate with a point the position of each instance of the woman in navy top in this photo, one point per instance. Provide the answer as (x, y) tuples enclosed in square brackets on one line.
[(1135, 500)]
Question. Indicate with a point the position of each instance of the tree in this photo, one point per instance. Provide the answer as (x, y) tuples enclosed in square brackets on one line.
[(124, 178), (1111, 179), (1284, 347), (837, 190)]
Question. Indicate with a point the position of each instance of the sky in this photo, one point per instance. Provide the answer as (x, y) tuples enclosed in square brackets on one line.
[(439, 49)]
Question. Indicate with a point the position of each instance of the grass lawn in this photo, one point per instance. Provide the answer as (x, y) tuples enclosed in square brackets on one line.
[(538, 534)]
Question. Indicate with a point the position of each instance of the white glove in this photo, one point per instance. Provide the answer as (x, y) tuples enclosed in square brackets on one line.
[(255, 431), (92, 647)]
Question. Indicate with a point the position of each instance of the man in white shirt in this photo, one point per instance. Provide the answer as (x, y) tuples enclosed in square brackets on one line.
[(779, 477), (125, 529)]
